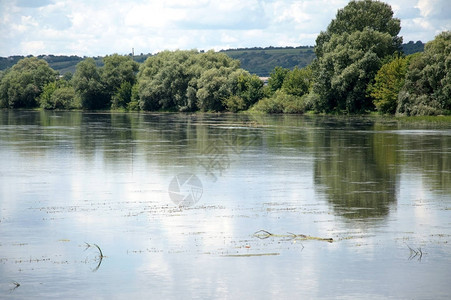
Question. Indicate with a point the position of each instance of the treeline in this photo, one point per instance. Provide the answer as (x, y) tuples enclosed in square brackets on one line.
[(256, 60), (359, 68), (169, 81)]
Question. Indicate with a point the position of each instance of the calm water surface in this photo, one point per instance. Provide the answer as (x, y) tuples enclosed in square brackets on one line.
[(380, 188)]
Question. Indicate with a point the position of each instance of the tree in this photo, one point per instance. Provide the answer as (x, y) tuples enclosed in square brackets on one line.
[(358, 15), (387, 84), (350, 53), (21, 85), (427, 90), (63, 98), (164, 80), (298, 81), (254, 90), (118, 76), (57, 95), (123, 96), (178, 80), (276, 78), (89, 87), (213, 89)]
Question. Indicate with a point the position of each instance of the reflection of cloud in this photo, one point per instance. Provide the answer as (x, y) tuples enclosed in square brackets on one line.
[(33, 3)]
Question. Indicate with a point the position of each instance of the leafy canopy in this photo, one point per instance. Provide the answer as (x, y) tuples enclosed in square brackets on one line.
[(350, 53), (388, 82), (427, 90), (21, 85), (88, 85)]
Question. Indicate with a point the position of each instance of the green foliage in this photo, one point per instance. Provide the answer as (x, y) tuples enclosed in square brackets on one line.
[(118, 70), (248, 87), (281, 102), (350, 53), (88, 85), (63, 98), (234, 103), (412, 48), (427, 89), (388, 82), (46, 95), (133, 105), (358, 15), (23, 83), (58, 95), (298, 81), (276, 78), (68, 76), (213, 89), (123, 96), (269, 106), (162, 82), (262, 61), (186, 81)]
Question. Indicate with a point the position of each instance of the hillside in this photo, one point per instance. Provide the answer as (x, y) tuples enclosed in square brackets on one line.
[(260, 61)]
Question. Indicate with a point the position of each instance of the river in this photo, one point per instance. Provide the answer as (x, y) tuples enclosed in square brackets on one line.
[(170, 206)]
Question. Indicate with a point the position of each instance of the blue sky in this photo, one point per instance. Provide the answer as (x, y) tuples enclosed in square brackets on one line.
[(97, 27)]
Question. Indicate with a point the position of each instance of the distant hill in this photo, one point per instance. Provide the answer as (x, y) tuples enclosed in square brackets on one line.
[(411, 47), (260, 61)]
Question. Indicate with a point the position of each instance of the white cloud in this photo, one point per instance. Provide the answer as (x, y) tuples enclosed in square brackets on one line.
[(97, 27)]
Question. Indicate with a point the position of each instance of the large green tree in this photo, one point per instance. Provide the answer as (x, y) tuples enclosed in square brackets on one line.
[(427, 90), (350, 53), (358, 15), (179, 80), (118, 76), (21, 85), (88, 85)]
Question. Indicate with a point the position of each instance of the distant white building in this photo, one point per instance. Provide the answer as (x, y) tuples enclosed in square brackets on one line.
[(264, 79)]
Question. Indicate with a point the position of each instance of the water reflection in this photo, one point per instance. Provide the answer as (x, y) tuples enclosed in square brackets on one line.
[(357, 169), (71, 178)]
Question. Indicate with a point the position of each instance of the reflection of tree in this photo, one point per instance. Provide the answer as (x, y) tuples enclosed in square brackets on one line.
[(356, 169), (165, 139), (432, 154)]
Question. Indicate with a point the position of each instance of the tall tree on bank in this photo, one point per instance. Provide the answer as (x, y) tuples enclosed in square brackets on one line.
[(349, 54), (119, 76), (21, 85), (88, 85)]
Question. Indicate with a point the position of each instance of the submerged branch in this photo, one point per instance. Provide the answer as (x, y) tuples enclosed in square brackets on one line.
[(101, 256), (263, 234)]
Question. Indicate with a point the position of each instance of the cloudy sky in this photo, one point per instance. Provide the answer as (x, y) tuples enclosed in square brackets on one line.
[(98, 27)]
